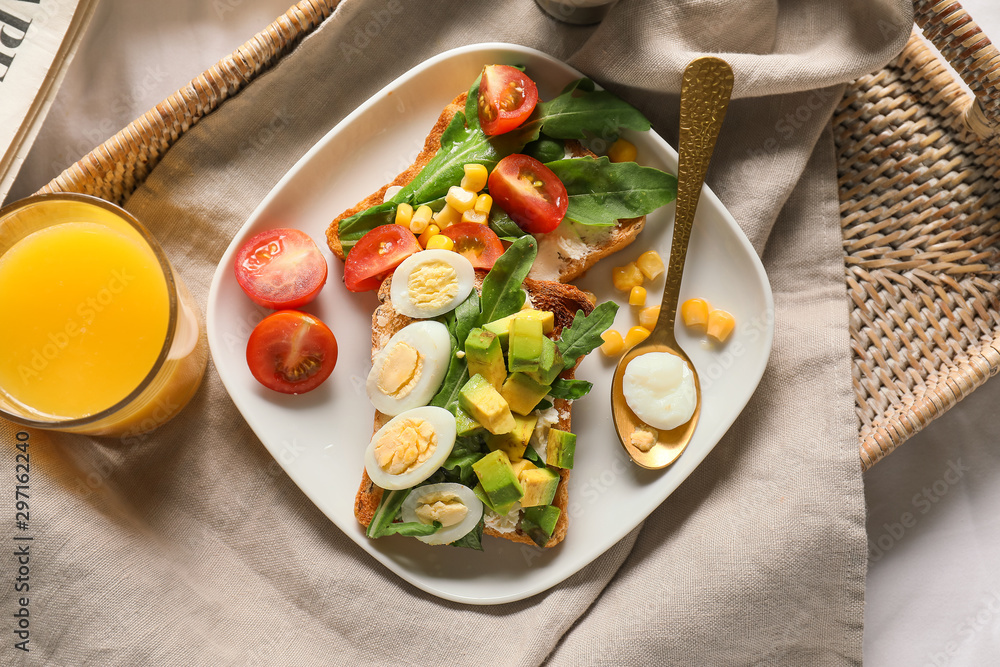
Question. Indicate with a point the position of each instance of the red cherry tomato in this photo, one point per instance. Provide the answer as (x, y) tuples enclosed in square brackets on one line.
[(477, 243), (376, 255), (506, 98), (280, 268), (291, 352), (529, 192)]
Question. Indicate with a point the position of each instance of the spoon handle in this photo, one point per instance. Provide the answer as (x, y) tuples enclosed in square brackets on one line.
[(705, 91)]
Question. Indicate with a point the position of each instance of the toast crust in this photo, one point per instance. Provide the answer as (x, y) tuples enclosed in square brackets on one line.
[(563, 301)]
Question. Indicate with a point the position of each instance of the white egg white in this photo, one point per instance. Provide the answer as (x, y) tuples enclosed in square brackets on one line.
[(443, 423), (399, 290), (659, 388), (447, 534), (433, 344)]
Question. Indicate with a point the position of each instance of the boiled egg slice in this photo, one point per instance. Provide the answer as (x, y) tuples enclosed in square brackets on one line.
[(408, 371), (659, 387), (410, 447), (454, 505), (431, 283)]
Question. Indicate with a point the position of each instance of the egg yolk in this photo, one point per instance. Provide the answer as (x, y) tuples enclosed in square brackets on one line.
[(400, 371), (432, 284), (405, 446), (445, 507), (644, 437)]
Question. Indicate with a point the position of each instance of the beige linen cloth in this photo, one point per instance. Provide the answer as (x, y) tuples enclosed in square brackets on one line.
[(191, 546)]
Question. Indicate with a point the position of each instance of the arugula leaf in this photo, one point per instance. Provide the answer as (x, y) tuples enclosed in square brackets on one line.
[(583, 336), (580, 109), (600, 191), (387, 511), (544, 404), (570, 389), (474, 538), (411, 529), (458, 465), (504, 227), (359, 224), (502, 295), (454, 379), (466, 318), (532, 455)]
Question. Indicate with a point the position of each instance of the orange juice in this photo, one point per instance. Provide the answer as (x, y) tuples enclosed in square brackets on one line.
[(90, 312)]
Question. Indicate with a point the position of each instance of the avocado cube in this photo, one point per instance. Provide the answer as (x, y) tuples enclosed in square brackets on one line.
[(539, 486), (560, 448), (501, 327), (498, 479), (520, 466), (465, 424), (522, 393), (516, 441), (481, 494), (525, 344), (485, 357), (539, 523), (480, 400), (550, 363)]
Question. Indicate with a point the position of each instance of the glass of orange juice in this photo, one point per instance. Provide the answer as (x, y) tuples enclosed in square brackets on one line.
[(98, 333)]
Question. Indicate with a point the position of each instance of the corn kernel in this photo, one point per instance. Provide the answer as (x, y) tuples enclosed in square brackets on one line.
[(720, 325), (404, 214), (650, 264), (635, 336), (431, 231), (637, 297), (475, 177), (591, 297), (474, 216), (694, 312), (626, 277), (440, 242), (613, 343), (622, 151), (484, 203), (648, 316), (447, 216), (460, 199), (421, 218)]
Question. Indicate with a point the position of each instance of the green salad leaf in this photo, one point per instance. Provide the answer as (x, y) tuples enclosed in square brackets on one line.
[(454, 379), (583, 336), (458, 466), (474, 538), (466, 318), (502, 295), (581, 109), (505, 227), (387, 512), (570, 389), (600, 191)]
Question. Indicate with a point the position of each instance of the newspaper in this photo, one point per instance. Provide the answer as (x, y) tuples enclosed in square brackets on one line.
[(38, 39)]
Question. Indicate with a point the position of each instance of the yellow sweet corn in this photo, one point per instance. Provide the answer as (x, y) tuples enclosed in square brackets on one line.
[(440, 242), (475, 177), (637, 297), (484, 203), (648, 317), (650, 264), (460, 199), (447, 216), (404, 214), (626, 277), (613, 343), (472, 215), (420, 219), (694, 312), (720, 325), (431, 231), (635, 336), (622, 151)]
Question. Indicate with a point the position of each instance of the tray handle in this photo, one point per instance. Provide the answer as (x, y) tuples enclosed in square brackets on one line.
[(963, 44)]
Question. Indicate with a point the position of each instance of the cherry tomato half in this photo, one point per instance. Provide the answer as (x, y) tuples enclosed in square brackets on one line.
[(506, 98), (477, 243), (291, 352), (529, 192), (281, 268), (376, 255)]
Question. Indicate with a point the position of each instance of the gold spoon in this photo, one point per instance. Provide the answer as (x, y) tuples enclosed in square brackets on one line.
[(705, 91)]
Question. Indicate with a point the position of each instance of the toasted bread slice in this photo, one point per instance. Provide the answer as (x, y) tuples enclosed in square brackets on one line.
[(563, 254), (563, 301)]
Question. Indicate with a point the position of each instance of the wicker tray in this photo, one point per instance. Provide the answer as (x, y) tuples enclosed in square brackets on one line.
[(920, 207)]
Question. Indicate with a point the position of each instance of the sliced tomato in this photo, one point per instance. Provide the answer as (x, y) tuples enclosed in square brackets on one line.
[(506, 98), (477, 243), (376, 255), (291, 352), (281, 268), (529, 192)]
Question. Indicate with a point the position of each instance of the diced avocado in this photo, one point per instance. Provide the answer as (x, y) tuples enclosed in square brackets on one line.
[(520, 466), (550, 364), (539, 486), (464, 424), (515, 441), (522, 393), (501, 327), (480, 400), (485, 357), (498, 479), (481, 494), (560, 449), (525, 344), (538, 523)]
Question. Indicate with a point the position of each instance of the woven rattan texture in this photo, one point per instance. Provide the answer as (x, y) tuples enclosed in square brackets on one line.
[(920, 211)]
